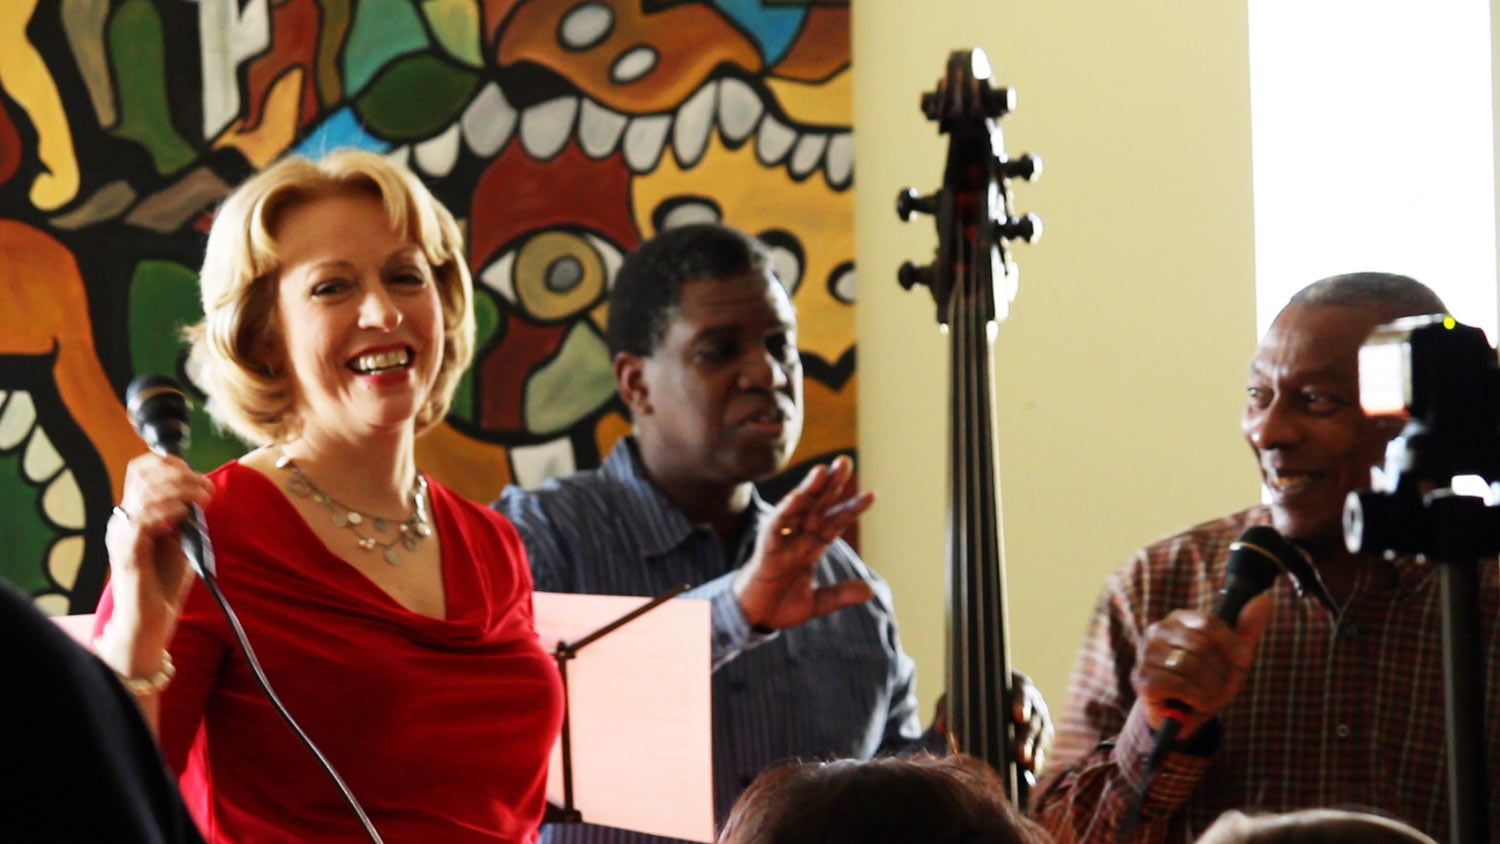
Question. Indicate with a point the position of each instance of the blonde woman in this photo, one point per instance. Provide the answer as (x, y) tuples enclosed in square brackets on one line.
[(392, 616)]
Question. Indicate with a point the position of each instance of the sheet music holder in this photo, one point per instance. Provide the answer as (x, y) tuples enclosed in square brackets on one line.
[(640, 701), (563, 653)]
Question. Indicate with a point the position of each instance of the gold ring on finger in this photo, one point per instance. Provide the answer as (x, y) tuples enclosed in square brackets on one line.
[(1174, 659)]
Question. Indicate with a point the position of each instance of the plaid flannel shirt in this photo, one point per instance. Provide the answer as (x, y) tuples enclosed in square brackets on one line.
[(1338, 710)]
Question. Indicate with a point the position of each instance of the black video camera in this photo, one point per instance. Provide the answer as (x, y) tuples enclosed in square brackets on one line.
[(1443, 378)]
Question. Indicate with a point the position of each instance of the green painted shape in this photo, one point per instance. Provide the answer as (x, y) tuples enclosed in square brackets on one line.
[(415, 98), (571, 385), (163, 300), (27, 532), (486, 324), (136, 51), (211, 445), (455, 24), (382, 31)]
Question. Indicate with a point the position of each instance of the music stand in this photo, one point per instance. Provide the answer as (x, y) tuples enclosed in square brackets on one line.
[(564, 652)]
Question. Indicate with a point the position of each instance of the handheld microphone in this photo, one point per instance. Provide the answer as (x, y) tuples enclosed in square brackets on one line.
[(158, 409), (1256, 559)]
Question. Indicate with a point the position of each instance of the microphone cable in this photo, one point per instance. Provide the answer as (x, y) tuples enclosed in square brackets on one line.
[(159, 410)]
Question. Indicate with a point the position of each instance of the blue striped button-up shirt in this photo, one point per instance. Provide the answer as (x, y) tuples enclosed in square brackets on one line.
[(835, 686)]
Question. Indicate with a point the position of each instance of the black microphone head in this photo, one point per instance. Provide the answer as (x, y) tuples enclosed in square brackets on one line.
[(159, 411), (1256, 559), (1260, 554)]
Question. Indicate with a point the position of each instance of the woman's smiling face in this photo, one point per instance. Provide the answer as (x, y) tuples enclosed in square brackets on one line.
[(358, 317)]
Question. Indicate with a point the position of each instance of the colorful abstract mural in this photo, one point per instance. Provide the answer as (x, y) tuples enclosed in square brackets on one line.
[(561, 133)]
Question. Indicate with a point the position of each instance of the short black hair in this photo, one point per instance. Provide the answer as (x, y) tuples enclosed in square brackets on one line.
[(1395, 295), (649, 283)]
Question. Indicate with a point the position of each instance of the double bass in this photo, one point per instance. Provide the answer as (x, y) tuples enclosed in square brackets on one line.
[(973, 281)]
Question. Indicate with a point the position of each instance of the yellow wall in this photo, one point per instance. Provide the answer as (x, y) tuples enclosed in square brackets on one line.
[(1120, 372)]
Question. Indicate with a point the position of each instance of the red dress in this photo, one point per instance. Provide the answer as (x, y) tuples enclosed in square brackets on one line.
[(441, 727)]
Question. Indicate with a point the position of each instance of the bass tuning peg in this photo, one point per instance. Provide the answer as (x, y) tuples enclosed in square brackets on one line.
[(908, 203), (997, 102), (1025, 168), (1027, 227), (910, 275)]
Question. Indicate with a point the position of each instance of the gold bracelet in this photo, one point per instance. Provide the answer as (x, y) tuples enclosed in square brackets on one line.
[(140, 686)]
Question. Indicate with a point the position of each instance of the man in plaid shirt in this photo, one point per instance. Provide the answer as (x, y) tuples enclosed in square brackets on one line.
[(1329, 691)]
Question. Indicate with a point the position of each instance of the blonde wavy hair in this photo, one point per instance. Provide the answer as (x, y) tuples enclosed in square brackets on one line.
[(239, 286)]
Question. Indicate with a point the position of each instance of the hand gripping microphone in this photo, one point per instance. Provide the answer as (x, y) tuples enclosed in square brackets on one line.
[(159, 411), (1256, 559)]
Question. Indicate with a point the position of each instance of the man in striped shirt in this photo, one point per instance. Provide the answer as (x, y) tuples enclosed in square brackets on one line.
[(1329, 691), (807, 660)]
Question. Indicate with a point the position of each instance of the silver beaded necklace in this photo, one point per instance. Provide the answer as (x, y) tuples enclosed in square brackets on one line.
[(409, 533)]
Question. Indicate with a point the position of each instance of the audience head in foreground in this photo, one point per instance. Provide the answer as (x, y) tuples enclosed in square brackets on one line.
[(953, 799), (1311, 826)]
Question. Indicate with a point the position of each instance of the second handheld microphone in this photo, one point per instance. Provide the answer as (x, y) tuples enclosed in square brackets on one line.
[(1256, 559)]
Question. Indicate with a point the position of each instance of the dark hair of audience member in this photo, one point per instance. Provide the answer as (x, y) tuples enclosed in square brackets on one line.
[(953, 799), (1311, 826)]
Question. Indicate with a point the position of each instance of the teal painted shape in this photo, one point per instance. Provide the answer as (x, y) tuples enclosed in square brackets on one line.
[(383, 30), (571, 385), (415, 98), (340, 130), (164, 299), (774, 28)]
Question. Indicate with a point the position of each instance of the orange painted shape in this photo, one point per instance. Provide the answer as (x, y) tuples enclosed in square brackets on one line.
[(44, 310), (277, 130), (473, 468), (608, 431), (829, 105), (493, 16), (829, 422), (821, 49), (689, 42), (294, 46)]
